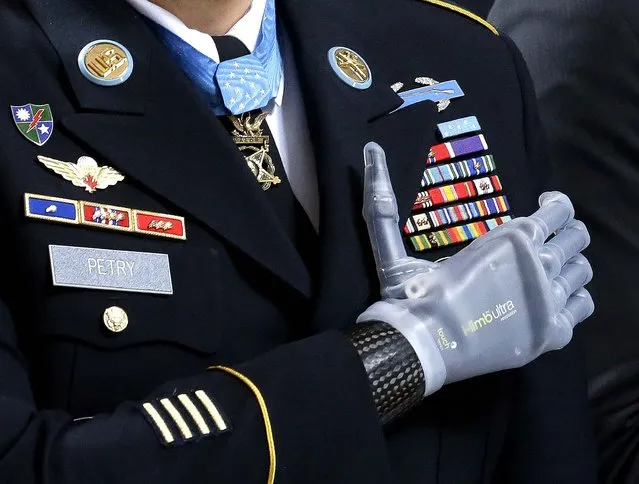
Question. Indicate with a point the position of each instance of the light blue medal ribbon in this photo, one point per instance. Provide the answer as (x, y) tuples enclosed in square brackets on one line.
[(237, 85)]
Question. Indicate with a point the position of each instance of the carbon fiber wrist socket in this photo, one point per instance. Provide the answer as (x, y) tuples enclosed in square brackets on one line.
[(393, 368)]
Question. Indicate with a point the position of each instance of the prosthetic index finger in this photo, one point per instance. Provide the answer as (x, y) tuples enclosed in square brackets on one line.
[(380, 209)]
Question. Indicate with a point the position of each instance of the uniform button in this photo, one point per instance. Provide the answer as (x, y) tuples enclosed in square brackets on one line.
[(115, 319)]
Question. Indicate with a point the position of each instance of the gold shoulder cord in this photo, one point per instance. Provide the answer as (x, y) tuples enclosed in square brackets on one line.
[(464, 12), (267, 420)]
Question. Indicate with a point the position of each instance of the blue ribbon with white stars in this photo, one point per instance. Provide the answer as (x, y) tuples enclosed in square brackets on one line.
[(237, 85), (458, 127)]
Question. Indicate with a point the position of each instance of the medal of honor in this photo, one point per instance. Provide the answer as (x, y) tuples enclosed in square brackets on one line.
[(254, 145)]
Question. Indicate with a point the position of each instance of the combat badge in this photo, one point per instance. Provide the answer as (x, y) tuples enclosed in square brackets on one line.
[(105, 62), (34, 121), (85, 173), (438, 92), (443, 92), (350, 67)]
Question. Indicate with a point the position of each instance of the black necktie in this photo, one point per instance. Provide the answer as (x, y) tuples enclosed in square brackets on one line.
[(277, 189)]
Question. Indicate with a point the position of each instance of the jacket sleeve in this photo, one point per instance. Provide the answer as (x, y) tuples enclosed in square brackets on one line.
[(550, 435), (325, 425)]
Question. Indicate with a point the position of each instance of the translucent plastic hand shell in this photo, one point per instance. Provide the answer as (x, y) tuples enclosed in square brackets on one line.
[(508, 297)]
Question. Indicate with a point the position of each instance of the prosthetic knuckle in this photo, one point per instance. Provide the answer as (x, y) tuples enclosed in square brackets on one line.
[(582, 261), (560, 289), (550, 259), (584, 306), (590, 303), (527, 228), (581, 227), (547, 198), (561, 331), (382, 204)]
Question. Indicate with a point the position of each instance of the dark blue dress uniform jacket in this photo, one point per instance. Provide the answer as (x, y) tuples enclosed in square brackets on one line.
[(242, 296)]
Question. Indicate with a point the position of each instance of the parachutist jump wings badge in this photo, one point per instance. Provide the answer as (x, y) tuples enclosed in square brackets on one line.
[(85, 173)]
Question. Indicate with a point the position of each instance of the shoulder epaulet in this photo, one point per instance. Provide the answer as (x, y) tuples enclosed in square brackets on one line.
[(464, 12)]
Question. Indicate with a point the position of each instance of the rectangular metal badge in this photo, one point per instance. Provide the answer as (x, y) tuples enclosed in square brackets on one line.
[(116, 270)]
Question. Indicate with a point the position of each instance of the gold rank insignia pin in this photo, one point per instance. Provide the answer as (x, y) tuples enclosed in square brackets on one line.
[(350, 67), (105, 62), (85, 173)]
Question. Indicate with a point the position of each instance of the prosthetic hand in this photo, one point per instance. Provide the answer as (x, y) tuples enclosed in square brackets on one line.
[(508, 297)]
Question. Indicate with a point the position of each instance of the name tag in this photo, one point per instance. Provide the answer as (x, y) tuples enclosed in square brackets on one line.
[(119, 270)]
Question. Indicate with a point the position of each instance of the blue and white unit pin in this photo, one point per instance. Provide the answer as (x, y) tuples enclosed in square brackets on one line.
[(350, 67), (105, 62)]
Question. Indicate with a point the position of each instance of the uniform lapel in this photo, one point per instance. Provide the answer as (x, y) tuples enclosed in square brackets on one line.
[(158, 131), (342, 120)]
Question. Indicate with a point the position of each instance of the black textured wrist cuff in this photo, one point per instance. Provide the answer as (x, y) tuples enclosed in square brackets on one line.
[(394, 371)]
